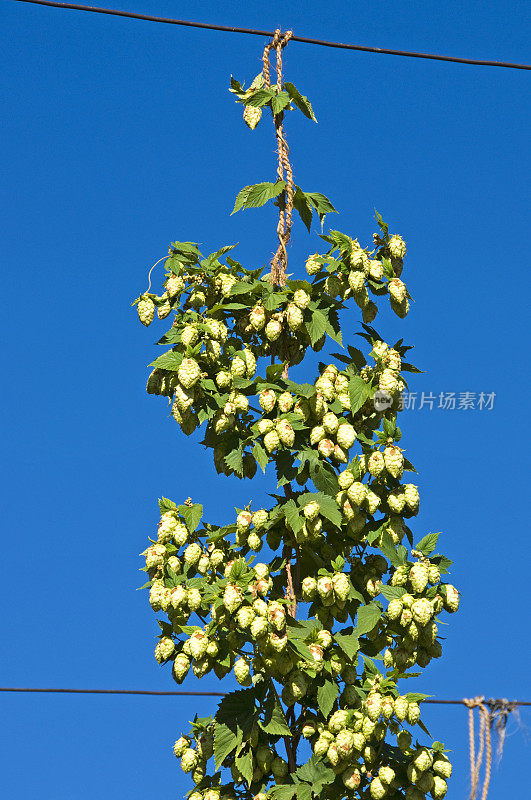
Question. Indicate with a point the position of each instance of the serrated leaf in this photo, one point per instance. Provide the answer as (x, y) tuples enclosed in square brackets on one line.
[(260, 98), (262, 459), (316, 326), (315, 771), (302, 102), (328, 505), (234, 460), (428, 544), (274, 722), (282, 792), (389, 550), (257, 195), (392, 592), (245, 765), (279, 102), (358, 392), (367, 617), (324, 478), (303, 206), (293, 518), (225, 741), (416, 697), (170, 361), (326, 696), (192, 515), (348, 643)]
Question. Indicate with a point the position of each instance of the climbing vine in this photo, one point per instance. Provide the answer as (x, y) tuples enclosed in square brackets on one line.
[(345, 606)]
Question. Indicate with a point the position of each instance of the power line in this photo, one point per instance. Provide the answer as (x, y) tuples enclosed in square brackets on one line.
[(433, 701), (304, 39)]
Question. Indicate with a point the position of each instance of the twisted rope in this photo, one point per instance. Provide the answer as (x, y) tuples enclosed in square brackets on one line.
[(279, 262), (485, 745)]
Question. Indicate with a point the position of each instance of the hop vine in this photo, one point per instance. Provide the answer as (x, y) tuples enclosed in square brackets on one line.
[(322, 634)]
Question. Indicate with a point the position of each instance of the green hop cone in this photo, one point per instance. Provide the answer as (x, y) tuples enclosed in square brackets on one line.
[(301, 298), (394, 461), (422, 611), (356, 281), (286, 434), (413, 713), (188, 373), (182, 744), (346, 436), (351, 777), (397, 290), (312, 265), (309, 589), (271, 441), (232, 597), (441, 766), (377, 789), (294, 317), (397, 246), (146, 310), (251, 116), (440, 787), (174, 285), (450, 598), (242, 672), (376, 464), (273, 329), (418, 577), (189, 760), (164, 308), (412, 497), (394, 609), (341, 585)]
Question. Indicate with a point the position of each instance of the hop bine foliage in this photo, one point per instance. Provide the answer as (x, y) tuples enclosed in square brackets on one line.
[(320, 637)]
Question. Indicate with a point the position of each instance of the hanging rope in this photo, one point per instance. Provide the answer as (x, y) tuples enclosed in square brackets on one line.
[(279, 262), (485, 746)]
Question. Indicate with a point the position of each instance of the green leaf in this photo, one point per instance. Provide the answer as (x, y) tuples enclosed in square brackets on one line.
[(316, 326), (279, 102), (234, 460), (348, 643), (392, 592), (315, 771), (245, 765), (321, 203), (225, 741), (257, 194), (274, 722), (291, 513), (367, 618), (192, 515), (170, 360), (328, 505), (389, 550), (282, 792), (410, 368), (260, 455), (260, 98), (304, 207), (443, 563), (326, 696), (324, 478), (428, 544), (302, 102), (416, 697), (358, 392)]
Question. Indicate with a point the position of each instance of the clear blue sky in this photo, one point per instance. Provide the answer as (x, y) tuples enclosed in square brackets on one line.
[(120, 137)]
